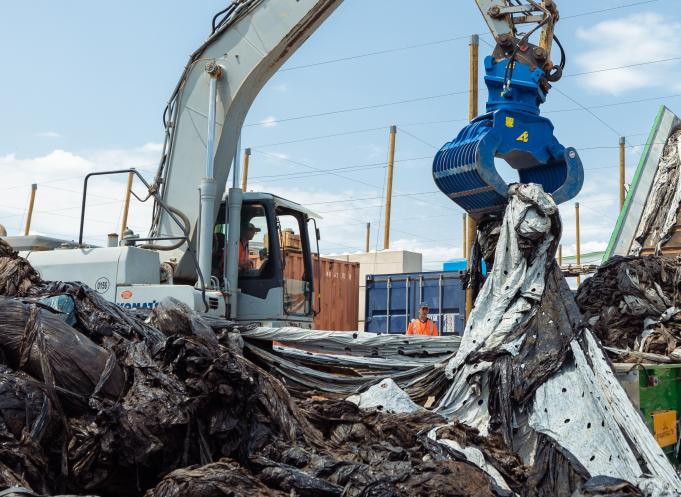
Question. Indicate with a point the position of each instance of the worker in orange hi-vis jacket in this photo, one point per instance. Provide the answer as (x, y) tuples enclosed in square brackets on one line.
[(423, 325)]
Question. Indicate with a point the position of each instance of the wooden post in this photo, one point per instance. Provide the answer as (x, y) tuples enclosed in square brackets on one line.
[(579, 254), (247, 159), (126, 206), (31, 203), (368, 237), (473, 78), (622, 171), (560, 255), (389, 190), (464, 243), (472, 114)]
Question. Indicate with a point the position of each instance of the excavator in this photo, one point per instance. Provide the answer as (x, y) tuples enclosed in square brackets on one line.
[(221, 250)]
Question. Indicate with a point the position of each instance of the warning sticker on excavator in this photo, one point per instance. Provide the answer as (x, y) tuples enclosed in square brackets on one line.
[(525, 137), (510, 122)]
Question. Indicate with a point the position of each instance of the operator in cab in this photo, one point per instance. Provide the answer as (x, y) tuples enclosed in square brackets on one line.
[(423, 325), (248, 231)]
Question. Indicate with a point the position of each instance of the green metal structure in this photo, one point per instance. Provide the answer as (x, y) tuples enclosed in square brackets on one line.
[(654, 389)]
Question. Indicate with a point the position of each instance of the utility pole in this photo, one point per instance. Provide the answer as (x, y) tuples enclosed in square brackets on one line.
[(389, 190), (622, 171), (368, 237), (579, 252), (464, 243), (472, 114), (126, 206), (29, 216), (247, 159)]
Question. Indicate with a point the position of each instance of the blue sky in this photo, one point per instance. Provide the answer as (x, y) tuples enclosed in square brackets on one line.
[(85, 84)]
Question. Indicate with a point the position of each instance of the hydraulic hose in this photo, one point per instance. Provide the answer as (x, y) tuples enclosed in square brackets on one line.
[(178, 244)]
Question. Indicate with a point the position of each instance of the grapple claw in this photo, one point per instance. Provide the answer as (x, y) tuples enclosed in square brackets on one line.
[(512, 130)]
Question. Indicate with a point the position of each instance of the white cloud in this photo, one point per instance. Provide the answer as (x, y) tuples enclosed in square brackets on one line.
[(281, 87), (151, 147), (269, 122), (49, 134), (59, 176), (625, 41)]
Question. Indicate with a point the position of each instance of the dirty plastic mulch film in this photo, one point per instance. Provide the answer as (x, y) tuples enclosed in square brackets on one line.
[(661, 207), (114, 406), (633, 304), (528, 375)]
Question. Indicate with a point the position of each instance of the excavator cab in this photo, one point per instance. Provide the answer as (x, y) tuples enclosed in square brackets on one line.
[(518, 76), (275, 275)]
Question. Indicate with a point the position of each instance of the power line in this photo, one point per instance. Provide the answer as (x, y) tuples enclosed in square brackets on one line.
[(292, 161), (442, 41), (617, 104), (322, 137), (70, 178), (357, 199), (358, 131), (589, 111), (635, 4), (377, 52), (447, 121), (340, 176), (607, 69), (418, 139), (355, 109), (370, 165)]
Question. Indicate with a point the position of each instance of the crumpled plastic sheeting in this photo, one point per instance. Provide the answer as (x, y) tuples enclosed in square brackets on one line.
[(174, 317), (524, 373), (420, 382), (16, 274), (364, 364), (219, 479), (634, 303), (195, 416), (357, 343), (75, 368), (587, 411), (385, 396), (661, 206)]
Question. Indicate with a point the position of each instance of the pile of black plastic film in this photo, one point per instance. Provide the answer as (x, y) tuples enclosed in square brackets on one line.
[(98, 401), (633, 304)]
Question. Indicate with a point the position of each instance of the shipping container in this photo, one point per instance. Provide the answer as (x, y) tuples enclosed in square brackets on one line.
[(339, 290), (392, 300)]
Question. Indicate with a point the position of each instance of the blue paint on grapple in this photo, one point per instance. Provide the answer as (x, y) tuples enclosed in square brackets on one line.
[(513, 130)]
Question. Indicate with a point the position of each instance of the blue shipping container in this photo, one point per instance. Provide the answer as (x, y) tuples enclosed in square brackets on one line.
[(392, 301)]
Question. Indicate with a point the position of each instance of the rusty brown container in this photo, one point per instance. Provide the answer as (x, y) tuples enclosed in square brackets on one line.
[(339, 283)]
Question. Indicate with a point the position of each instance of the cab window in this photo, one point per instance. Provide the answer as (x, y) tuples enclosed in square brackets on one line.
[(297, 288)]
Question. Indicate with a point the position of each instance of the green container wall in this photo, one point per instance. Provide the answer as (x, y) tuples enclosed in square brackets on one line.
[(660, 390)]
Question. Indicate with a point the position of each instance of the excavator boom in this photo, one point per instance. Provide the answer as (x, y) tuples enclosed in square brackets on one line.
[(250, 41)]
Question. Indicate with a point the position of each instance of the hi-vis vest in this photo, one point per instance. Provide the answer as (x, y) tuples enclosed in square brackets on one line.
[(416, 327)]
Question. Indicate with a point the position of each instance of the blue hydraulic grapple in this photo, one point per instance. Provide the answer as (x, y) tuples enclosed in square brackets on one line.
[(513, 130)]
